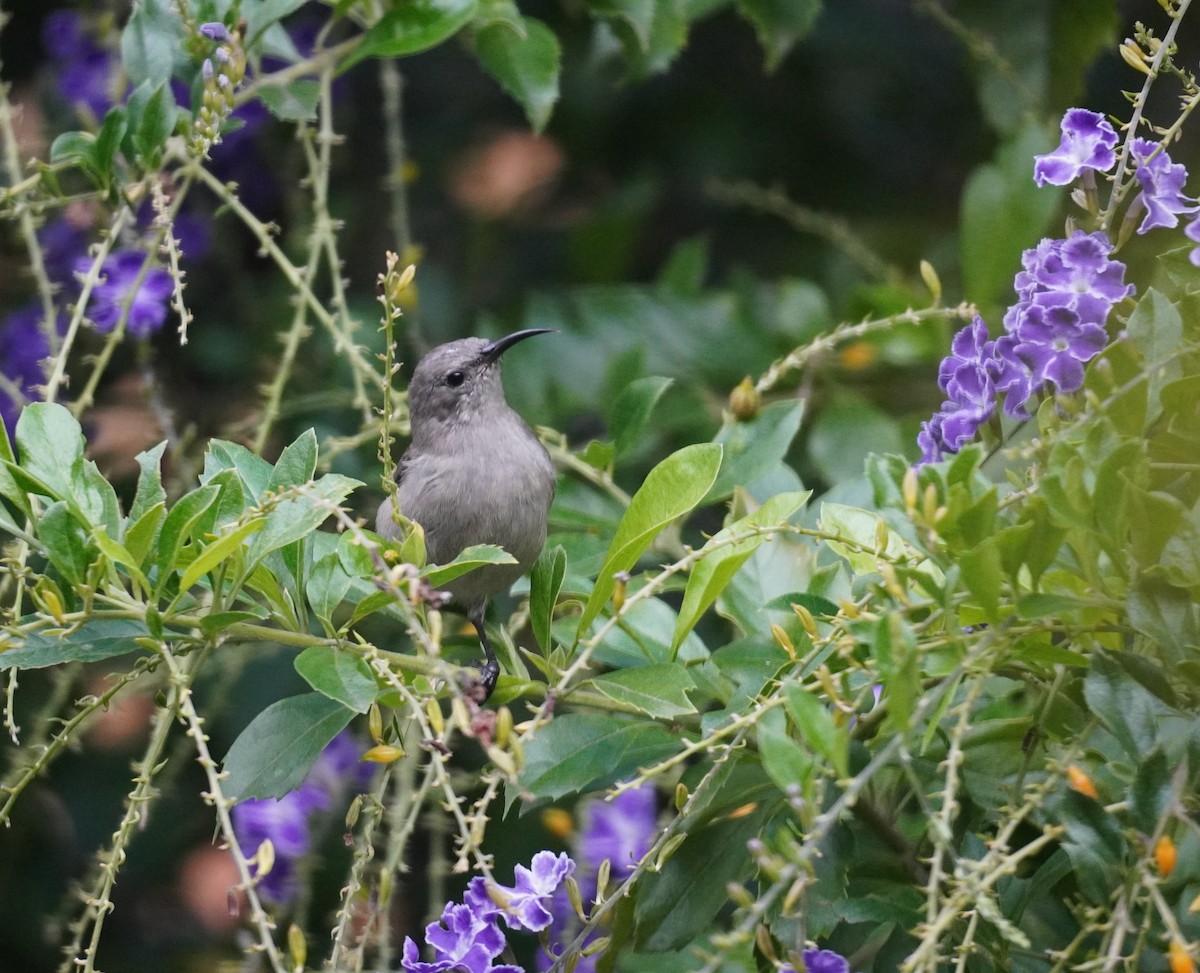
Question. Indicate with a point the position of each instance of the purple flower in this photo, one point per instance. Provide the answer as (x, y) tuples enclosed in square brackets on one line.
[(1053, 344), (287, 821), (1192, 232), (1088, 141), (526, 900), (930, 439), (147, 305), (967, 377), (824, 961), (23, 348), (620, 830), (85, 69), (215, 31), (462, 940), (1077, 271), (1162, 186)]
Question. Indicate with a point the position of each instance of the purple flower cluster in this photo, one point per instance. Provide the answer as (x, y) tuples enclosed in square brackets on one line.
[(288, 821), (468, 935), (620, 832), (1065, 292), (823, 961), (86, 71), (147, 300)]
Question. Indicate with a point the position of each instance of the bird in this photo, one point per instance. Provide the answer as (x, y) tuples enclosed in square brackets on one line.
[(473, 473)]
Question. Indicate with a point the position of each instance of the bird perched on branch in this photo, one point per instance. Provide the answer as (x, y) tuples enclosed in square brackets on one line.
[(475, 473)]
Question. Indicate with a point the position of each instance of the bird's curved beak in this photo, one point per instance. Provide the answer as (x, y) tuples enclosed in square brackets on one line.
[(493, 350)]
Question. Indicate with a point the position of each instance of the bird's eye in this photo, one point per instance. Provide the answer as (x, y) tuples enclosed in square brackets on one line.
[(456, 378)]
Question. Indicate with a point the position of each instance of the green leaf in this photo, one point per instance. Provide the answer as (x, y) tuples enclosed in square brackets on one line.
[(714, 570), (297, 463), (150, 41), (1152, 789), (140, 536), (50, 442), (1094, 844), (274, 753), (861, 528), (219, 550), (149, 490), (94, 641), (756, 446), (1123, 705), (342, 676), (659, 691), (470, 558), (155, 123), (262, 15), (1004, 212), (780, 24), (983, 575), (255, 472), (895, 650), (108, 142), (637, 14), (784, 760), (413, 26), (579, 752), (118, 554), (178, 526), (631, 410), (298, 516), (680, 903), (1156, 328), (63, 536), (526, 63), (815, 723), (845, 431), (293, 102), (673, 488), (545, 582), (326, 586)]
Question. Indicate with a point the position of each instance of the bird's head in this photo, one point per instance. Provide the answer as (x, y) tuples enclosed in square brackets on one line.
[(459, 382)]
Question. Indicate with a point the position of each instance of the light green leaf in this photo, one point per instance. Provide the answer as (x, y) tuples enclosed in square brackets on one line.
[(815, 723), (673, 488), (342, 676), (470, 558), (118, 554), (149, 490), (50, 443), (659, 691), (780, 24), (219, 550), (296, 464), (716, 569), (150, 41), (326, 586), (526, 63), (274, 753), (293, 102), (178, 526)]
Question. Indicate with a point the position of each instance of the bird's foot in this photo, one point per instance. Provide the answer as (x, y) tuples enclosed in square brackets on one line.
[(479, 689)]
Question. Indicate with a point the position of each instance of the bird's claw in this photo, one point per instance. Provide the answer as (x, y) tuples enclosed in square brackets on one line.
[(489, 672)]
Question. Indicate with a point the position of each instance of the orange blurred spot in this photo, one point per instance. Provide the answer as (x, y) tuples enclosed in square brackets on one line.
[(1081, 782), (858, 355), (741, 812), (558, 822), (1179, 958), (1165, 855)]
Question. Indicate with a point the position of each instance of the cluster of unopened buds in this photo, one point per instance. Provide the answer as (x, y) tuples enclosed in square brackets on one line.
[(222, 72)]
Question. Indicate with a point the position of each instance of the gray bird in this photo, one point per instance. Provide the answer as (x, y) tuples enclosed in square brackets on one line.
[(475, 473)]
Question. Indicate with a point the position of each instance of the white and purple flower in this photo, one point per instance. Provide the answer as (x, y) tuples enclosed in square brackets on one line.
[(1088, 143)]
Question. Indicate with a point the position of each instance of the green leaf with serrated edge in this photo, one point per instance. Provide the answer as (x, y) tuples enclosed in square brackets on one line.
[(50, 442), (659, 691), (674, 906), (638, 14), (219, 550), (756, 446), (470, 558), (326, 586), (673, 488), (178, 526), (149, 490), (63, 536), (118, 554), (275, 752), (140, 535), (150, 41), (411, 27), (93, 641), (340, 675), (545, 582), (525, 62), (815, 723), (632, 408), (254, 471), (780, 24), (580, 752), (713, 571)]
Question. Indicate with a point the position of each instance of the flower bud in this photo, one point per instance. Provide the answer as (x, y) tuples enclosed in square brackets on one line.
[(297, 947), (383, 753), (1179, 958), (1081, 782), (745, 400), (1165, 856)]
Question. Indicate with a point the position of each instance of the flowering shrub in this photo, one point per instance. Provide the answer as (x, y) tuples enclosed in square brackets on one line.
[(801, 687)]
